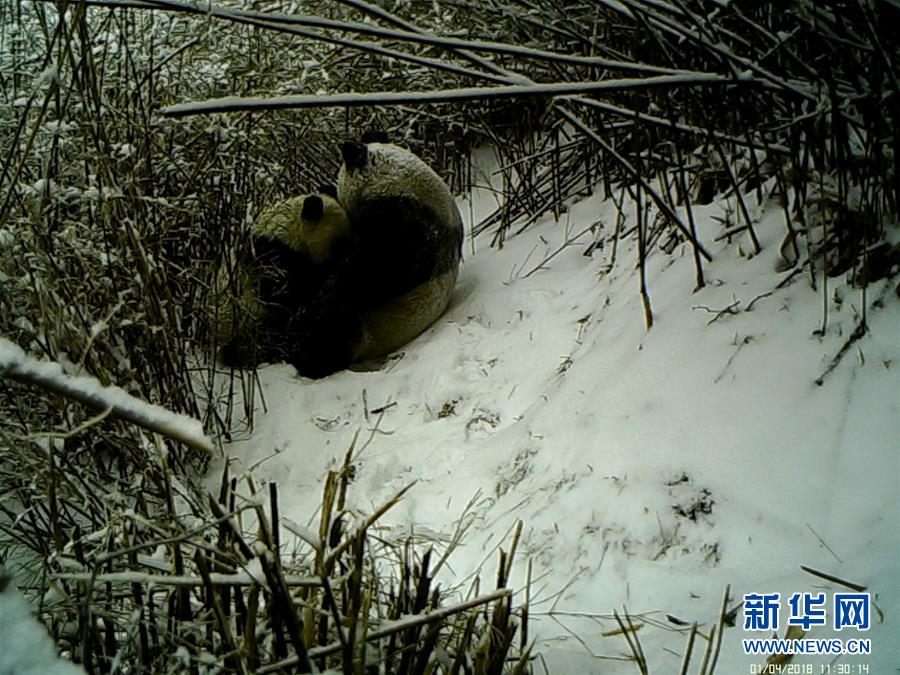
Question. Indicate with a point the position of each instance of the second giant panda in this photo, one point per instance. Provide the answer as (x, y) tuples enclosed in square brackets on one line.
[(280, 302), (408, 237)]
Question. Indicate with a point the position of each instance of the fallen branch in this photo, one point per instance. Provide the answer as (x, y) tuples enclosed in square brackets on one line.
[(48, 375), (857, 333), (719, 313), (352, 99), (837, 580)]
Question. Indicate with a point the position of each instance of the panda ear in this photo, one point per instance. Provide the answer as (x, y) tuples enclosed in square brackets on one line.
[(328, 189), (355, 155), (313, 208)]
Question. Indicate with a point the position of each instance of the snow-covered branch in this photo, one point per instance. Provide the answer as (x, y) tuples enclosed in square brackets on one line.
[(239, 103), (48, 375)]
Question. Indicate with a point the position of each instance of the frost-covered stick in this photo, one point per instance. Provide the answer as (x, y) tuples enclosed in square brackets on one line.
[(719, 49), (463, 523), (302, 101), (141, 606), (285, 23), (720, 628), (378, 12), (643, 225), (630, 639), (464, 644), (367, 523), (620, 221), (858, 332), (524, 610), (859, 588), (688, 650), (183, 608), (355, 592), (281, 611), (633, 632), (108, 557), (328, 495), (273, 508), (737, 192), (328, 592), (757, 174), (707, 653), (545, 200), (15, 363), (569, 241), (233, 659), (318, 543), (685, 195), (283, 608), (647, 118), (397, 626), (58, 538), (346, 469)]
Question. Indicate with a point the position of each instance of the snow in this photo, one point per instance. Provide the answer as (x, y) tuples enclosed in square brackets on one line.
[(25, 647), (650, 469)]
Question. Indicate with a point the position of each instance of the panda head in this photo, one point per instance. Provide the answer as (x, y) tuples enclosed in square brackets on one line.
[(376, 170), (310, 224)]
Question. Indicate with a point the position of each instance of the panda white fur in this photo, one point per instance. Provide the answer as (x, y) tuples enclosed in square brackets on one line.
[(408, 240), (263, 310)]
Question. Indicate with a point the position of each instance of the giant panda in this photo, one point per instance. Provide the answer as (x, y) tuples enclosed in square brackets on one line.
[(407, 233), (280, 302)]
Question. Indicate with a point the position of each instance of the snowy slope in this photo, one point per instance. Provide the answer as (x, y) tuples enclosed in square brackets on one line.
[(650, 468)]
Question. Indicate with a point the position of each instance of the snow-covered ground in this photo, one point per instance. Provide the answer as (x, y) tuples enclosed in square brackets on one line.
[(650, 469), (25, 646)]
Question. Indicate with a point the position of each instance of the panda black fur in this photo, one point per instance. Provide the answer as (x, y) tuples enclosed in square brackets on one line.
[(277, 306), (407, 243)]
